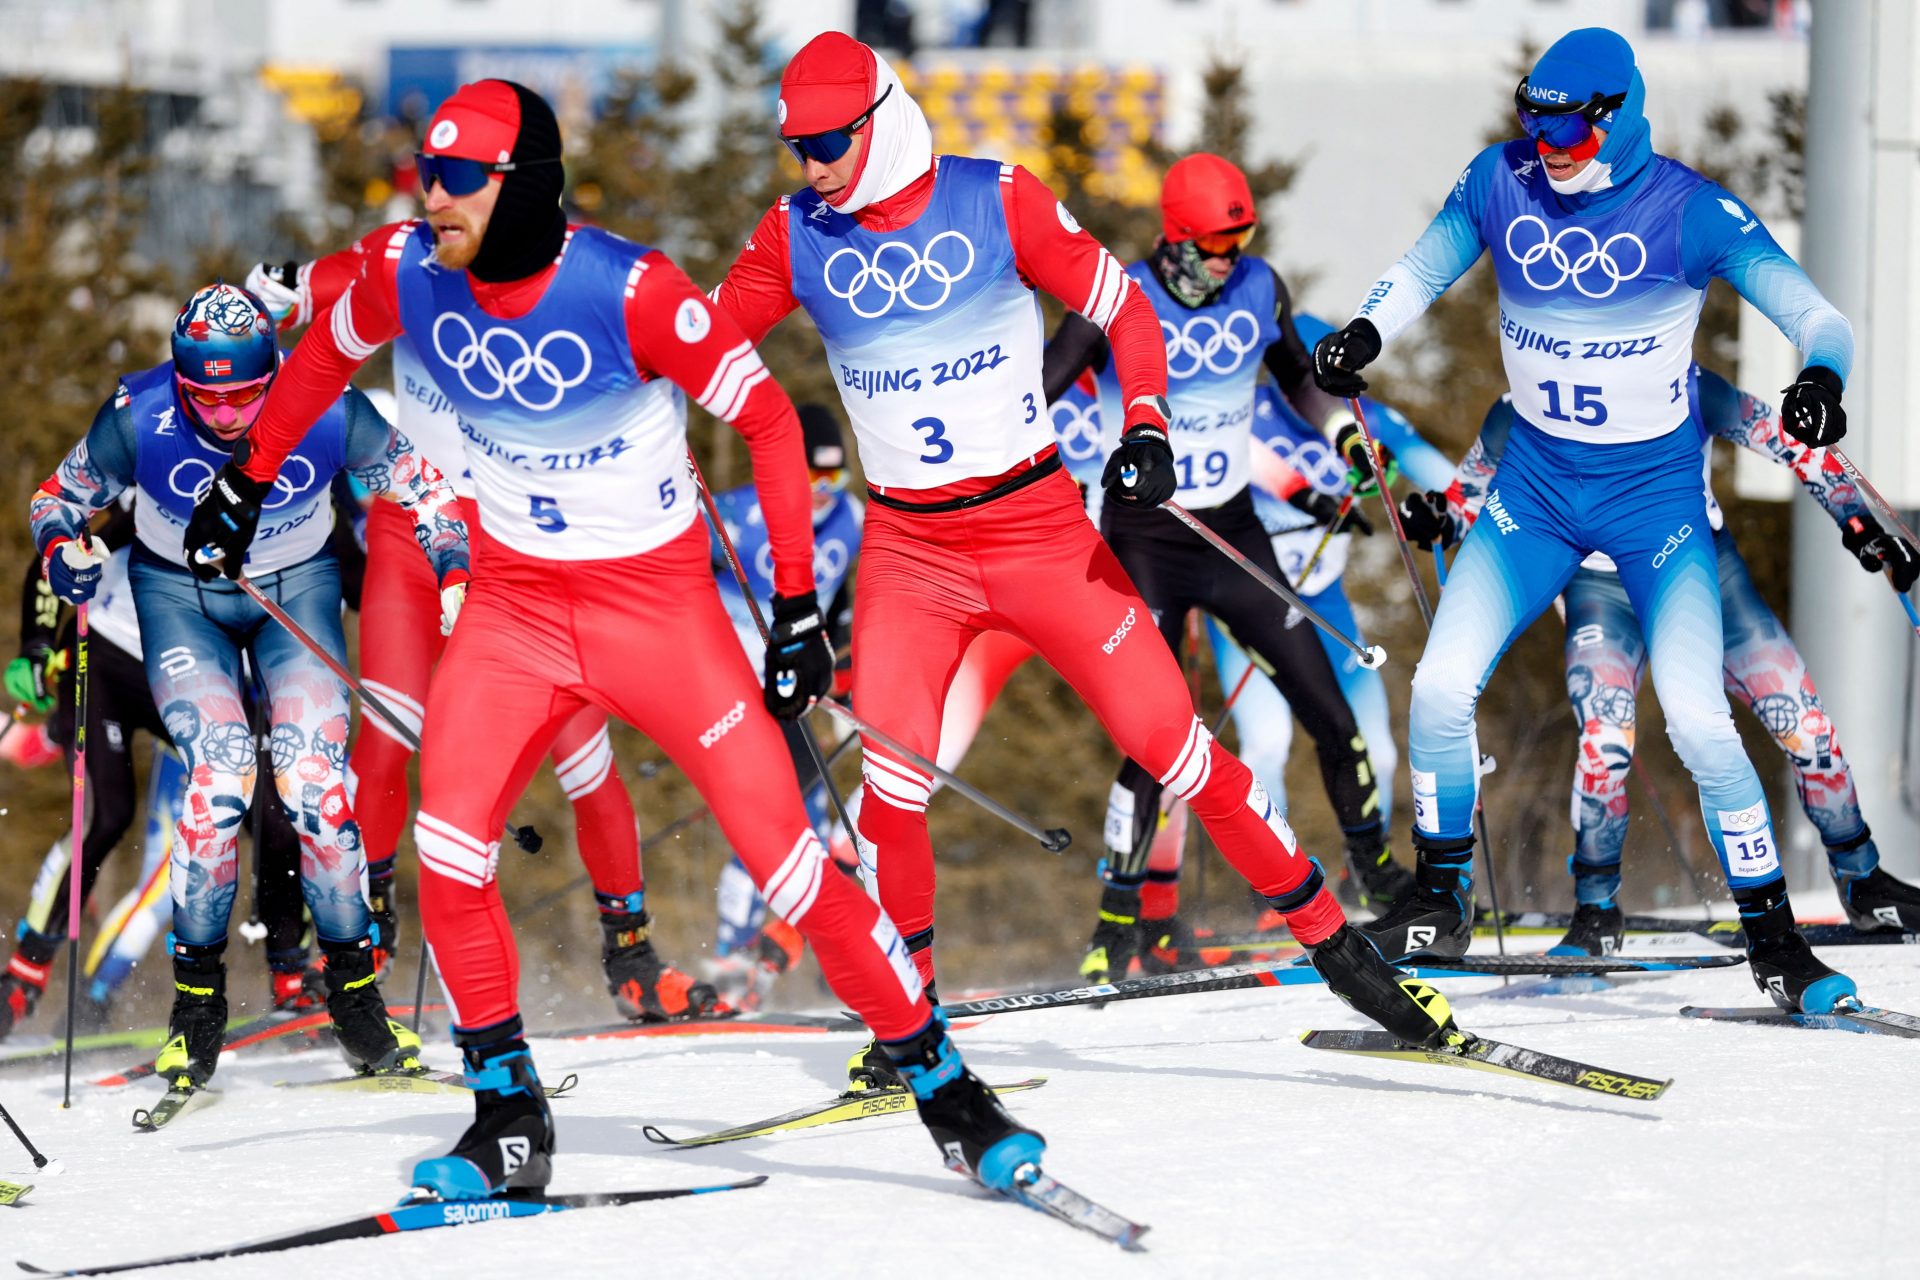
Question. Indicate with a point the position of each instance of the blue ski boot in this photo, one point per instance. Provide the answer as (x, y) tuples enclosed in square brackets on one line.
[(509, 1147), (1782, 963), (968, 1124)]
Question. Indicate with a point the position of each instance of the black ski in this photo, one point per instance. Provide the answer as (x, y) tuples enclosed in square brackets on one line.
[(848, 1106), (1847, 1016), (722, 1024), (1726, 932), (417, 1215), (173, 1104), (1480, 1054)]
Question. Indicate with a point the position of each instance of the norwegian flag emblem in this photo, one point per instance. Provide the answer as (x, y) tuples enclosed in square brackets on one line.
[(218, 368)]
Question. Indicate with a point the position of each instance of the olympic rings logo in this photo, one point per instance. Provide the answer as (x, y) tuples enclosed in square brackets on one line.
[(829, 561), (505, 377), (284, 489), (1575, 253), (897, 267), (1315, 460), (1206, 343), (1077, 429)]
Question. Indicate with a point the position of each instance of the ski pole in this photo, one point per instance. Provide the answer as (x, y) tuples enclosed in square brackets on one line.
[(39, 1161), (1393, 512), (1053, 839), (1346, 507), (1369, 656), (76, 848), (1859, 477), (14, 717), (526, 837)]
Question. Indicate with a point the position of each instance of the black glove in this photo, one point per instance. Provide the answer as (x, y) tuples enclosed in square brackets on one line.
[(225, 518), (1351, 444), (1811, 412), (1140, 472), (799, 659), (1876, 549), (1325, 510), (1424, 518), (1339, 357)]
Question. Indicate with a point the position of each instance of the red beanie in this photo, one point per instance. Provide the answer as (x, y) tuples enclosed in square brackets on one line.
[(479, 122), (827, 85)]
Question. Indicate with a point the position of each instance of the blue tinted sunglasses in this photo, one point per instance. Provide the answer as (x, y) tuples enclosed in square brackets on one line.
[(1562, 125), (831, 145), (462, 177)]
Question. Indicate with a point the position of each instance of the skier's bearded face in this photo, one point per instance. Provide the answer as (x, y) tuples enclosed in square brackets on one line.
[(460, 222), (829, 180), (1561, 164)]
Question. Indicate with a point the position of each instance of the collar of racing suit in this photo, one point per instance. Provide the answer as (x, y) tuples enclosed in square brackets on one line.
[(902, 207)]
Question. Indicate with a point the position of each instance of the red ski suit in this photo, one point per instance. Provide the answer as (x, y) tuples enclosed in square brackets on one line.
[(1011, 551), (400, 642), (642, 636)]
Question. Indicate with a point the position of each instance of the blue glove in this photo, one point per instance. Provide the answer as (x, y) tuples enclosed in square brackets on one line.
[(73, 571)]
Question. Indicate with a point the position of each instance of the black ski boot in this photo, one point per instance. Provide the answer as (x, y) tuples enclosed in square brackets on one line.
[(1377, 881), (1118, 937), (1437, 917), (1876, 902), (644, 988), (509, 1146), (382, 906), (374, 1043), (198, 1025), (968, 1124), (1595, 930), (1782, 963), (1352, 968)]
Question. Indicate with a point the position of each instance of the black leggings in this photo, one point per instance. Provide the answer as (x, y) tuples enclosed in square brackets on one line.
[(1175, 570)]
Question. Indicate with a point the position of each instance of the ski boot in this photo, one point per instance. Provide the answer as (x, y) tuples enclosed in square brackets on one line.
[(1436, 918), (1118, 938), (299, 985), (1348, 962), (381, 905), (643, 988), (743, 977), (24, 981), (1782, 963), (1377, 881), (1595, 930), (198, 1025), (1874, 901), (973, 1131), (372, 1042), (509, 1146)]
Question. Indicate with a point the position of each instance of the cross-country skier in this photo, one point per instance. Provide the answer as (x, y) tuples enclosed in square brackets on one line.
[(919, 274), (753, 949), (1602, 251), (1606, 655), (168, 432), (400, 643), (1223, 314), (594, 586)]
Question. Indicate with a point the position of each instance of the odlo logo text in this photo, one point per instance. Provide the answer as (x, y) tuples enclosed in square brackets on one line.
[(1673, 544), (1120, 634)]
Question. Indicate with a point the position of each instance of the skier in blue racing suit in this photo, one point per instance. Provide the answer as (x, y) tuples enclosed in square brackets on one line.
[(1602, 252)]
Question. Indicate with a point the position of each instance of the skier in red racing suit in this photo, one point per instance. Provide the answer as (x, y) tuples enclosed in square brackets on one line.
[(919, 272)]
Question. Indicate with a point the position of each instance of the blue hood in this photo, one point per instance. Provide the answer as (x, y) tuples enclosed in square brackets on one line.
[(1595, 60)]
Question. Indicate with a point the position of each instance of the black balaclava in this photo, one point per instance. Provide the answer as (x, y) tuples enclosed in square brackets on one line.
[(528, 226)]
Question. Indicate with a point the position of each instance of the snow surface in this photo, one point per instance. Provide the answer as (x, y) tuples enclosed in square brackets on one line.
[(1777, 1152)]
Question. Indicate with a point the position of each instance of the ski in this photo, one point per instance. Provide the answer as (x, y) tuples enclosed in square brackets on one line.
[(1481, 1054), (414, 1215), (116, 1041), (1726, 932), (173, 1104), (1559, 966), (13, 1192), (254, 1031), (727, 1024), (1847, 1016), (1041, 1192), (848, 1106), (410, 1082)]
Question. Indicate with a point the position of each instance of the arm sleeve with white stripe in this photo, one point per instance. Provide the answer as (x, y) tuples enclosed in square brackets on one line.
[(344, 333), (718, 367), (1053, 253), (1442, 254)]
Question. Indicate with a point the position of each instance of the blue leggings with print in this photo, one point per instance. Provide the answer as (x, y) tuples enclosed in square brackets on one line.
[(1606, 658), (1263, 723), (1551, 503), (193, 635)]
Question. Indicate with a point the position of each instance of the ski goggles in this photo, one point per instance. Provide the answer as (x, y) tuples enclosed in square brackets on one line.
[(459, 176), (827, 481), (235, 396), (1224, 244), (1562, 126), (827, 147)]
